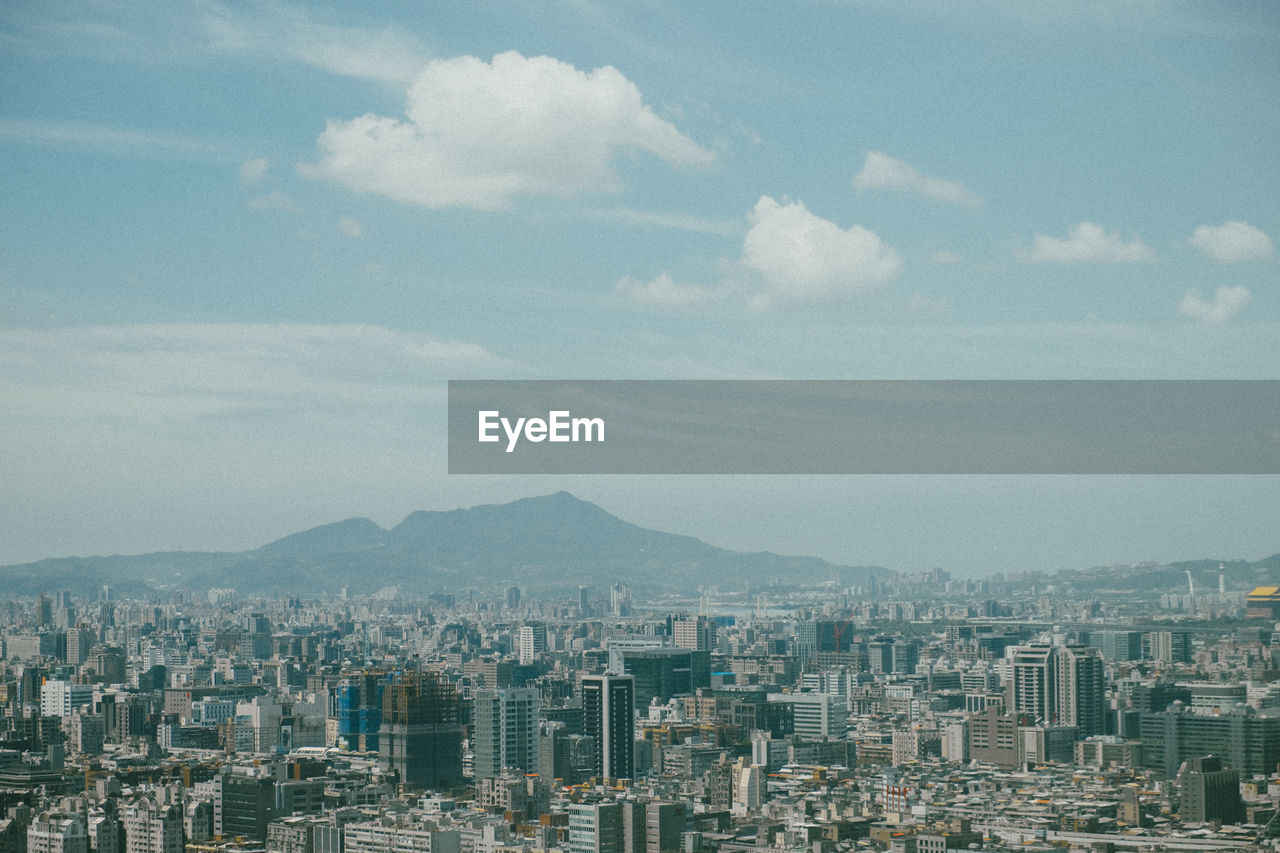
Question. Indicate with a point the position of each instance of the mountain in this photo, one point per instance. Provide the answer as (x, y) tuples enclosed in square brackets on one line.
[(551, 542)]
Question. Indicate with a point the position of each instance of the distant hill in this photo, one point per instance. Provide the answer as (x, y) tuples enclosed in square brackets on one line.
[(550, 542)]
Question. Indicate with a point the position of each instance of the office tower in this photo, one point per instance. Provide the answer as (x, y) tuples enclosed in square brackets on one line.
[(533, 641), (1244, 741), (61, 698), (664, 824), (1118, 645), (595, 828), (359, 710), (815, 715), (421, 735), (246, 806), (1081, 695), (584, 601), (513, 597), (1209, 791), (1168, 646), (893, 654), (505, 726), (698, 633), (608, 703), (1032, 682), (666, 672)]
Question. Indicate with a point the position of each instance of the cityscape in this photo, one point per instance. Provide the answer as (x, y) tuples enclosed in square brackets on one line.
[(581, 426), (906, 712)]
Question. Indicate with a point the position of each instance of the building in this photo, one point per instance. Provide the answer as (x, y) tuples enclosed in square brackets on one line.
[(1209, 791), (1263, 602), (374, 837), (1246, 742), (1031, 686), (57, 832), (505, 726), (698, 633), (1080, 690), (815, 715), (595, 828), (150, 827), (60, 698), (421, 733), (533, 641), (665, 673), (608, 717)]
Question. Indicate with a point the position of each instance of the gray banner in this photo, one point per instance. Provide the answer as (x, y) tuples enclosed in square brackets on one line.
[(864, 427)]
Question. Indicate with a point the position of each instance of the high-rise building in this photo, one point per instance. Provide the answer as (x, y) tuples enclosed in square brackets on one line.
[(665, 672), (815, 715), (1209, 791), (1245, 741), (697, 633), (1081, 692), (421, 735), (595, 828), (1032, 683), (505, 724), (608, 708), (533, 641), (664, 823)]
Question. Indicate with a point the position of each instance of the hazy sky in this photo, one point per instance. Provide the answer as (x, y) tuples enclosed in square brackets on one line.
[(242, 245)]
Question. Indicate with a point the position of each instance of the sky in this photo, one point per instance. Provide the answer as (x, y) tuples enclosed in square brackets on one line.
[(244, 245)]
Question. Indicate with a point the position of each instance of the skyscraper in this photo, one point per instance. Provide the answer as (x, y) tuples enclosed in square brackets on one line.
[(533, 641), (421, 734), (1032, 683), (607, 716), (1081, 696), (506, 730), (1058, 685)]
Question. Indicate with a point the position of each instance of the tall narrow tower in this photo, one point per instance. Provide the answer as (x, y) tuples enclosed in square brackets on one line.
[(608, 707)]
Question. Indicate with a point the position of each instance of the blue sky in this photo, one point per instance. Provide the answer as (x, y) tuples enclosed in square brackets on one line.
[(244, 244)]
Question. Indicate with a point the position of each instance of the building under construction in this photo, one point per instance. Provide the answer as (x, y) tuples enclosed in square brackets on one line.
[(421, 733)]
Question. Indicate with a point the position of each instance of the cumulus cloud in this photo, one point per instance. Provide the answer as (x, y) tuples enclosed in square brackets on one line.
[(882, 172), (1225, 304), (1088, 243), (349, 227), (790, 257), (480, 134), (1232, 242), (252, 171), (803, 258)]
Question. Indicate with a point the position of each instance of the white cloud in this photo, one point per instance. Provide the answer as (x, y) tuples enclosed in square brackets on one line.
[(664, 291), (142, 373), (352, 228), (481, 134), (1088, 243), (386, 54), (803, 258), (252, 171), (882, 172), (1226, 303), (1232, 242)]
